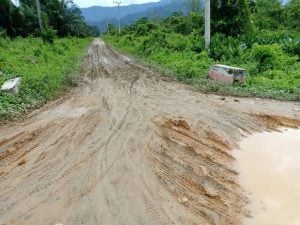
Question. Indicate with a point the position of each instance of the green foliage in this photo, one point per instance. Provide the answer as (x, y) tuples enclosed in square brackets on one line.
[(11, 18), (65, 17), (45, 68), (231, 18), (245, 16), (181, 24), (197, 43), (143, 26), (292, 14), (268, 14), (223, 48), (270, 57), (62, 15), (48, 35), (292, 46)]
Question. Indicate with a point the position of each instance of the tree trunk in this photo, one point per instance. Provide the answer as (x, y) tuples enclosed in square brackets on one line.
[(38, 8)]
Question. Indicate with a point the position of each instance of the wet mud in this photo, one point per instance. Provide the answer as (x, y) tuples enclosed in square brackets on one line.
[(127, 146)]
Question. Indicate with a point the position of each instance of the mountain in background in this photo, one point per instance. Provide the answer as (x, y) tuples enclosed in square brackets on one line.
[(101, 16), (98, 13), (159, 12)]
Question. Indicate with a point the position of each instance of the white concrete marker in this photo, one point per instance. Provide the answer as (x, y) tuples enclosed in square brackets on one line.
[(12, 85)]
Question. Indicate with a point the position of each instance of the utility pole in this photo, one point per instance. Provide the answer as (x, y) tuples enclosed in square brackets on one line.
[(207, 24), (107, 25), (118, 3), (38, 8)]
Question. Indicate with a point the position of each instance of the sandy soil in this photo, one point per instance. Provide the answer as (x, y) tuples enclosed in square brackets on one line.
[(128, 146)]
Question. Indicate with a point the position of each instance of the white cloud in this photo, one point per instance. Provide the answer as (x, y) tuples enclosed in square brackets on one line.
[(88, 3)]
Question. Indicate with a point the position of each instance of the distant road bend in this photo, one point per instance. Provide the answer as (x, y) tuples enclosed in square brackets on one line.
[(129, 146)]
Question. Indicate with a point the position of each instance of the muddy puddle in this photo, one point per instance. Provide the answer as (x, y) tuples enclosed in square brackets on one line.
[(269, 165)]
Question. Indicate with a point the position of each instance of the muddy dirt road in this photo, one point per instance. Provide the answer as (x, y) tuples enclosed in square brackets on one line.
[(128, 146)]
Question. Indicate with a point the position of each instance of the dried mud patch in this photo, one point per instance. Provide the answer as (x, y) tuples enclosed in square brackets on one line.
[(196, 168), (15, 149), (272, 122)]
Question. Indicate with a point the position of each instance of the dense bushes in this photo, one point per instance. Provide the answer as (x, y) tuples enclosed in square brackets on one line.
[(48, 35), (223, 48), (271, 57)]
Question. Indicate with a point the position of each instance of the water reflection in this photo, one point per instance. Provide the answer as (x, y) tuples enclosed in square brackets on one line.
[(269, 165)]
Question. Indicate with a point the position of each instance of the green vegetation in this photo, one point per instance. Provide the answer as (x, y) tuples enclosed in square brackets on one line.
[(268, 48), (29, 48), (61, 17), (46, 69), (262, 36)]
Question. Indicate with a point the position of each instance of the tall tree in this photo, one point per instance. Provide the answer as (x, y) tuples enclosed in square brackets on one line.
[(11, 18), (32, 16), (6, 20), (230, 17), (268, 14), (66, 18), (245, 15), (292, 14)]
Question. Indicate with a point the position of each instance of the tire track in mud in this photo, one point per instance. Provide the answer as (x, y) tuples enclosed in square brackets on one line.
[(113, 132), (129, 147), (189, 175)]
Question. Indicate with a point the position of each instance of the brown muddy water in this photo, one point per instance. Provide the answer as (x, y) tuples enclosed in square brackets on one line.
[(269, 165)]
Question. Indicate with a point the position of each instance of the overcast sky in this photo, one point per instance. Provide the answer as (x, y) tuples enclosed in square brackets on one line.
[(87, 3)]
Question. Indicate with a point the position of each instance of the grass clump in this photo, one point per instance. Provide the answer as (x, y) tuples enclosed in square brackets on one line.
[(46, 69)]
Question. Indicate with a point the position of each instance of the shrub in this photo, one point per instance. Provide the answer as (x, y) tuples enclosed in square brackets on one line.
[(224, 48), (177, 42), (292, 46), (198, 43), (48, 35), (270, 57)]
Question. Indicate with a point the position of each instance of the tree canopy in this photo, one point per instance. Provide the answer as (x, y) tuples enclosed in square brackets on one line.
[(62, 16), (230, 17)]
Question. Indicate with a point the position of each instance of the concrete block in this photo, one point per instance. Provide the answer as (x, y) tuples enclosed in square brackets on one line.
[(12, 85)]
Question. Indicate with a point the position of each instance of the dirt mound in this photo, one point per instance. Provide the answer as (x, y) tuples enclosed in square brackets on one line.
[(127, 147)]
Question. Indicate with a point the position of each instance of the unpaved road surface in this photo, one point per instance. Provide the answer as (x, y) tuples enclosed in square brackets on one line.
[(128, 146)]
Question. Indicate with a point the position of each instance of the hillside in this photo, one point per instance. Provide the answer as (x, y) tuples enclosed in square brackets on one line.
[(101, 16), (99, 13), (158, 12)]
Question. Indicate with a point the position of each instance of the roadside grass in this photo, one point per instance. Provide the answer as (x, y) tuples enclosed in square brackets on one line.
[(175, 55), (46, 70)]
